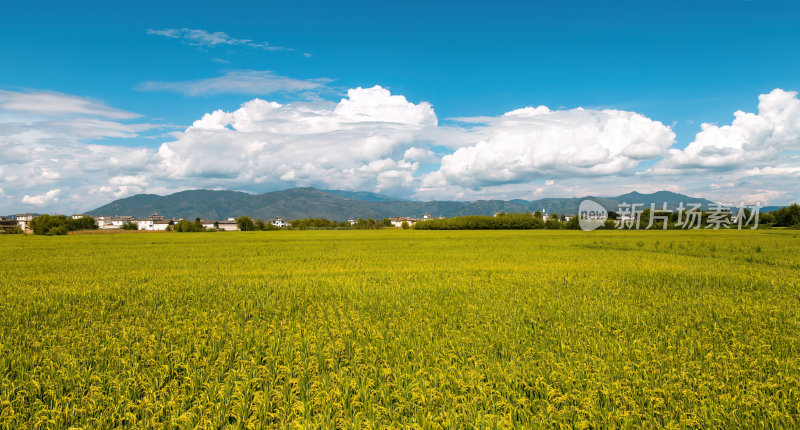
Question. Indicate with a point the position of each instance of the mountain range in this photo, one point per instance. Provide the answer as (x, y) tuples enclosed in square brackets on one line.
[(340, 205)]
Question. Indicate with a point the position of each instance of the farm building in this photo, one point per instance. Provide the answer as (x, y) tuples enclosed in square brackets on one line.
[(24, 221), (280, 222), (227, 225)]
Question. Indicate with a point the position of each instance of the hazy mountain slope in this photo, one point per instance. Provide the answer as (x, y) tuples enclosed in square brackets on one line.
[(340, 205)]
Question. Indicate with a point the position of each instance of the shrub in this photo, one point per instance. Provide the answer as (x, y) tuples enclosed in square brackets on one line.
[(129, 226)]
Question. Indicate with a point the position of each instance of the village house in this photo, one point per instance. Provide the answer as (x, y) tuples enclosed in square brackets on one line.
[(7, 224), (154, 222), (112, 222), (280, 222), (103, 221), (398, 221), (227, 225), (24, 221)]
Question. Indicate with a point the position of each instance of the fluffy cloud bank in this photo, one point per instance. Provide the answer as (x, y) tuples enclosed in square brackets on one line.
[(374, 140), (348, 144), (47, 150), (537, 143), (750, 141), (43, 199)]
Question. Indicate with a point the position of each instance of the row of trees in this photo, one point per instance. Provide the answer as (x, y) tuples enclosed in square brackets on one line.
[(51, 225), (303, 224), (787, 216), (245, 223), (322, 223), (524, 221)]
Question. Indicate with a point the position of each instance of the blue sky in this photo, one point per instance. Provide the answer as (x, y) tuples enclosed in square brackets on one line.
[(676, 63)]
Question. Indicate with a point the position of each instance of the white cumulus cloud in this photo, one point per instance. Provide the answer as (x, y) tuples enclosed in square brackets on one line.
[(45, 145), (536, 143), (346, 144), (373, 140), (750, 141), (419, 154), (42, 199)]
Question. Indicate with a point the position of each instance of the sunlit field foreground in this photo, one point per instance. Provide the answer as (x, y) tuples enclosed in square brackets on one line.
[(355, 329)]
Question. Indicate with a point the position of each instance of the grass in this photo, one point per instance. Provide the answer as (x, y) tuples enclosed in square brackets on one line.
[(429, 329)]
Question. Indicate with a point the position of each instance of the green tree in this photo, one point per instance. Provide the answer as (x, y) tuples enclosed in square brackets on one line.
[(573, 223), (245, 223), (83, 223), (50, 225), (404, 225), (553, 224), (365, 224), (184, 226), (516, 221), (129, 226), (788, 216)]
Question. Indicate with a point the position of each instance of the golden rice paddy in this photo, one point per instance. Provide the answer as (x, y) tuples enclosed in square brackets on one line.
[(407, 329)]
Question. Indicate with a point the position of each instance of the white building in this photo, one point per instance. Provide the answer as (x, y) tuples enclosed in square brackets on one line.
[(111, 222), (24, 221), (79, 216), (228, 225), (103, 220), (154, 222), (118, 221), (352, 221), (398, 221), (280, 222)]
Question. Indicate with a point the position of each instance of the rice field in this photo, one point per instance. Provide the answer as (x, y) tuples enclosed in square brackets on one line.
[(401, 328)]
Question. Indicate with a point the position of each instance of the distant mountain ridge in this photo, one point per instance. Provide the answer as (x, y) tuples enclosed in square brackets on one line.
[(340, 205)]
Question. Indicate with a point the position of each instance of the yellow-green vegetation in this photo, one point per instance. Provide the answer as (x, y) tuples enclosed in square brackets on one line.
[(405, 328)]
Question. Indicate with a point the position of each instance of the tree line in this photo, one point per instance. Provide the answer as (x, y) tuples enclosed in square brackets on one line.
[(52, 225), (788, 216), (501, 221)]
